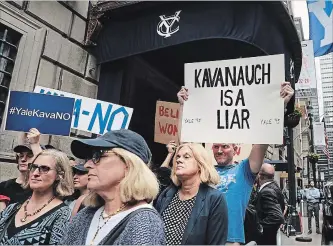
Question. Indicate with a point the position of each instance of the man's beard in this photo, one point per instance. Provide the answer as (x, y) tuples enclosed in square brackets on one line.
[(223, 163)]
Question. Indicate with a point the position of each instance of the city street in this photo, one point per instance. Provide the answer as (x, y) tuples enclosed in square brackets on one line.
[(316, 238)]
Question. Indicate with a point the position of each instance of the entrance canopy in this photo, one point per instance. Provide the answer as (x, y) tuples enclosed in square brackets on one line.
[(199, 31), (142, 48)]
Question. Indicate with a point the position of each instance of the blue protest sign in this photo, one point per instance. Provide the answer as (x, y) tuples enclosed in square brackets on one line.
[(321, 26), (49, 114)]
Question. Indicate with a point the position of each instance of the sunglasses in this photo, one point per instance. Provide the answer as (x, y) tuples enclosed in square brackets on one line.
[(97, 155), (42, 169)]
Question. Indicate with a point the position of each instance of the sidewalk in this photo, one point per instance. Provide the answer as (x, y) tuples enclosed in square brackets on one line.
[(316, 238)]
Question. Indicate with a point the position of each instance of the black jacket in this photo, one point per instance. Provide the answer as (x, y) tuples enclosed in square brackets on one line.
[(270, 206), (208, 222)]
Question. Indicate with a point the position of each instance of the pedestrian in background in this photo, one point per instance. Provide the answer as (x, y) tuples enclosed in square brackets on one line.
[(312, 196), (269, 205)]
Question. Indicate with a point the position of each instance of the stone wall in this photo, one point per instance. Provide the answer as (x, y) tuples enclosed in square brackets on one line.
[(51, 54)]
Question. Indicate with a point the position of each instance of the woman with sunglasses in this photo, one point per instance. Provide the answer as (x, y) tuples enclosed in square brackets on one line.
[(43, 217), (118, 209), (80, 184)]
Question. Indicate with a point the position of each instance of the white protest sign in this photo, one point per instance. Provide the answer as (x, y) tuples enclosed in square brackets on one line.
[(234, 101), (307, 78), (319, 134), (93, 115)]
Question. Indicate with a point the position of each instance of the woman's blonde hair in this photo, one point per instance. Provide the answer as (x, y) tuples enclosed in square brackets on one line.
[(63, 186), (139, 183), (207, 171)]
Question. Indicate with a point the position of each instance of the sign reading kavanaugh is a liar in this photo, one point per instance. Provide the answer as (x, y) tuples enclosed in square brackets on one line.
[(93, 115)]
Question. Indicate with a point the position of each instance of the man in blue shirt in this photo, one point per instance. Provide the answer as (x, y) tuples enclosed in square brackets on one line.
[(237, 179)]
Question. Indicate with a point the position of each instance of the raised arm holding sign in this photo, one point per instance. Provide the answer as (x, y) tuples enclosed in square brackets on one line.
[(236, 179), (258, 150)]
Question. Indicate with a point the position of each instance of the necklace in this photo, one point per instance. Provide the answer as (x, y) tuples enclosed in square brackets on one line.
[(108, 217), (26, 215)]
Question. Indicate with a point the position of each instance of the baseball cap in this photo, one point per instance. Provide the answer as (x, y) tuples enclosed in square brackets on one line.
[(22, 148), (80, 167), (47, 146), (124, 138)]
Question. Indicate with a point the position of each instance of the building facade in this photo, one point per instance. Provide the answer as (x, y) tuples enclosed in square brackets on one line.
[(42, 43), (326, 70)]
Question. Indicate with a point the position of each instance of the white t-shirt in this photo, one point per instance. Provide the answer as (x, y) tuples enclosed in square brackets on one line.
[(113, 221)]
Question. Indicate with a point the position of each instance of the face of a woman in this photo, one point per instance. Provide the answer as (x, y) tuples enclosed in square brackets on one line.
[(186, 165), (106, 173), (80, 180), (42, 173)]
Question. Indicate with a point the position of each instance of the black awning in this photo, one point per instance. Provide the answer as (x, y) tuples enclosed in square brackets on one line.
[(263, 25)]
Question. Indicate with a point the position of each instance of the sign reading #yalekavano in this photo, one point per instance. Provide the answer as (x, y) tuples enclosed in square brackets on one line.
[(93, 115), (50, 115), (234, 101)]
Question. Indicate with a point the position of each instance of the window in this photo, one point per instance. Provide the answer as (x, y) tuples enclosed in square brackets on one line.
[(9, 40)]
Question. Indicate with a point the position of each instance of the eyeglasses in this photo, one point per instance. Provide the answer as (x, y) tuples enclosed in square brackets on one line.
[(97, 155), (42, 169)]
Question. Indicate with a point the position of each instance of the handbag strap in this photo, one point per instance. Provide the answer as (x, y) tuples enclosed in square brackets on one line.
[(118, 229), (9, 219)]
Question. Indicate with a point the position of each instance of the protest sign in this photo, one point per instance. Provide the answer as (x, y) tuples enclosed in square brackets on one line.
[(50, 115), (93, 115), (166, 122), (234, 101), (307, 78), (242, 152)]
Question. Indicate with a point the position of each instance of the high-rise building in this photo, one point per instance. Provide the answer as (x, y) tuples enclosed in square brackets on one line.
[(304, 98), (326, 70), (298, 25)]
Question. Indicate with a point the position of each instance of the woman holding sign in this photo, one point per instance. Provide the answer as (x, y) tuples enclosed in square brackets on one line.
[(193, 212)]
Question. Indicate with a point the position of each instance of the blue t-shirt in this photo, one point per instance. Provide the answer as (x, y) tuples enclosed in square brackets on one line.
[(236, 183)]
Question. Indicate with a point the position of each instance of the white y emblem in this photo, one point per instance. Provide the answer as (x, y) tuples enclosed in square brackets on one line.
[(164, 27)]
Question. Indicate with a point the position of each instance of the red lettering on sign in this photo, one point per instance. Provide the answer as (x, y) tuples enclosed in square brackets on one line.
[(168, 129), (160, 110), (168, 112)]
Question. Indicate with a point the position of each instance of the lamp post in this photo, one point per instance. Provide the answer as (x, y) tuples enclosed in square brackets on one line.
[(295, 222), (312, 150)]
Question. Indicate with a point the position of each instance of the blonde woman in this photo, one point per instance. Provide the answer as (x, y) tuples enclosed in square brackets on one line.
[(42, 218), (121, 188), (192, 210)]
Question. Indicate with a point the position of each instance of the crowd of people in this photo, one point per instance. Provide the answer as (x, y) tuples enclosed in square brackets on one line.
[(115, 196)]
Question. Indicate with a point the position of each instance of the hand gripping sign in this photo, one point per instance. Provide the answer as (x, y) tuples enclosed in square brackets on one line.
[(93, 115), (234, 101), (51, 115)]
